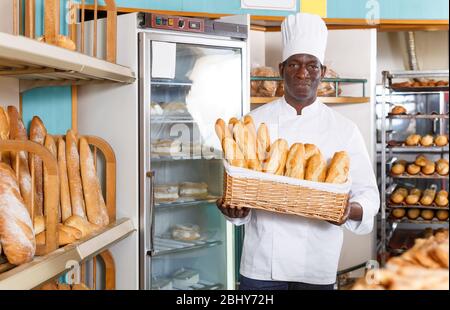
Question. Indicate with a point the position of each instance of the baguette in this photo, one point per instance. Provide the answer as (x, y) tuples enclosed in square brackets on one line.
[(4, 135), (399, 195), (316, 168), (247, 143), (73, 173), (233, 153), (339, 168), (39, 224), (441, 198), (18, 132), (248, 122), (51, 146), (262, 142), (16, 228), (276, 160), (37, 134), (222, 130), (233, 121), (428, 197), (82, 225), (413, 197), (66, 208), (95, 204), (295, 164), (310, 150), (66, 235)]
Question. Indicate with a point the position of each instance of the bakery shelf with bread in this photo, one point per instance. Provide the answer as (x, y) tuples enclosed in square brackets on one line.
[(421, 168), (422, 267), (165, 245), (429, 198), (275, 177)]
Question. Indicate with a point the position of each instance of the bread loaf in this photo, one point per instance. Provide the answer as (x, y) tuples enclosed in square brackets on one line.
[(441, 198), (339, 168), (263, 142), (441, 140), (316, 168), (222, 130), (413, 140), (95, 204), (310, 150), (4, 135), (398, 213), (18, 132), (413, 169), (429, 168), (39, 224), (421, 161), (247, 144), (233, 121), (82, 225), (66, 207), (398, 168), (398, 110), (428, 197), (248, 122), (442, 215), (276, 159), (413, 197), (399, 195), (37, 134), (427, 214), (413, 213), (442, 166), (80, 287), (66, 235), (233, 153), (73, 174), (426, 140), (51, 146), (295, 164), (16, 228)]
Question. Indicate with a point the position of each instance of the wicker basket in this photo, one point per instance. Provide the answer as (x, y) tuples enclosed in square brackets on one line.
[(252, 189)]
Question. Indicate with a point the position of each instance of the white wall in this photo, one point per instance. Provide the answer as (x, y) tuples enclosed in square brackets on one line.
[(9, 88), (431, 50), (352, 54)]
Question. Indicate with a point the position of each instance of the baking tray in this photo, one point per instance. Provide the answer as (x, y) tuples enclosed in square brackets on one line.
[(418, 115), (420, 175), (433, 206)]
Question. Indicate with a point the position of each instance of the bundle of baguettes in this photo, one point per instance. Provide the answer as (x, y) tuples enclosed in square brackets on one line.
[(81, 209), (246, 147), (275, 177)]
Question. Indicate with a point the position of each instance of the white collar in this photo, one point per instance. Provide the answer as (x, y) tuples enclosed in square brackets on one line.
[(311, 110)]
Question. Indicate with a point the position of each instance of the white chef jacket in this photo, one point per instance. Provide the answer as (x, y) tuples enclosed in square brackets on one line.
[(292, 248)]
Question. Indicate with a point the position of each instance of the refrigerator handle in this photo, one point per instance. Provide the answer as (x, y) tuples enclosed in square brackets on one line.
[(151, 175)]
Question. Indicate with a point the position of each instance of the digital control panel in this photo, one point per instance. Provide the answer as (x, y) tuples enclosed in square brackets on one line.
[(177, 23)]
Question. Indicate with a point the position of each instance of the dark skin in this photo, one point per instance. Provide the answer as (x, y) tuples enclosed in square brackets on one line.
[(302, 74)]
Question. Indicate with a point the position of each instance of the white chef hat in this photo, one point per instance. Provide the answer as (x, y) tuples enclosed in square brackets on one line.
[(304, 34)]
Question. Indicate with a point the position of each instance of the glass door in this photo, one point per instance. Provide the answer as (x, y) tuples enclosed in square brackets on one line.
[(189, 86)]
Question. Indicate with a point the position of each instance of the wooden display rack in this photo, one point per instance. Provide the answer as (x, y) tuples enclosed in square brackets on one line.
[(51, 201)]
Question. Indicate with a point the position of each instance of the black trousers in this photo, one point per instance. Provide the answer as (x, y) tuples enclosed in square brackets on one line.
[(252, 284)]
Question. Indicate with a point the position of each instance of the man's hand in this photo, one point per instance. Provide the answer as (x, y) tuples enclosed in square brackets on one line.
[(233, 213), (353, 211)]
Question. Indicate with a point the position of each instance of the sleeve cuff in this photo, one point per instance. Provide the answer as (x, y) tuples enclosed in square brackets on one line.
[(364, 226), (239, 221)]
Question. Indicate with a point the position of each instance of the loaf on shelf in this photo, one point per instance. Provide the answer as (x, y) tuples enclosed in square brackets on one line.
[(421, 165)]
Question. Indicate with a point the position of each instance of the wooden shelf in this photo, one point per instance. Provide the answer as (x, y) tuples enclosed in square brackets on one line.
[(44, 268), (326, 100), (38, 64)]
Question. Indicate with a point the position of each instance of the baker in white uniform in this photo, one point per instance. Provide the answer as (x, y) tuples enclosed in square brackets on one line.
[(287, 251)]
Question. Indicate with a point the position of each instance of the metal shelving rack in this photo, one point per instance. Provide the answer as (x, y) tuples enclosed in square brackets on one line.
[(389, 150)]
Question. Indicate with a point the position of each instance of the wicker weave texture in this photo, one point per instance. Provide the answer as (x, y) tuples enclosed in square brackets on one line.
[(283, 198)]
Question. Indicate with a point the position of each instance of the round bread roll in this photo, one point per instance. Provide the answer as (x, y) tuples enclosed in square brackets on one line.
[(442, 166), (399, 195), (426, 140), (398, 168), (441, 140), (441, 83), (413, 169), (442, 215), (441, 198), (398, 213), (398, 109), (428, 197), (412, 140), (413, 197), (427, 214), (421, 161), (413, 213), (429, 168)]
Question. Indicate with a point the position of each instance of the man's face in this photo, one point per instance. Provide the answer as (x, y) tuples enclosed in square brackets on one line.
[(302, 74)]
